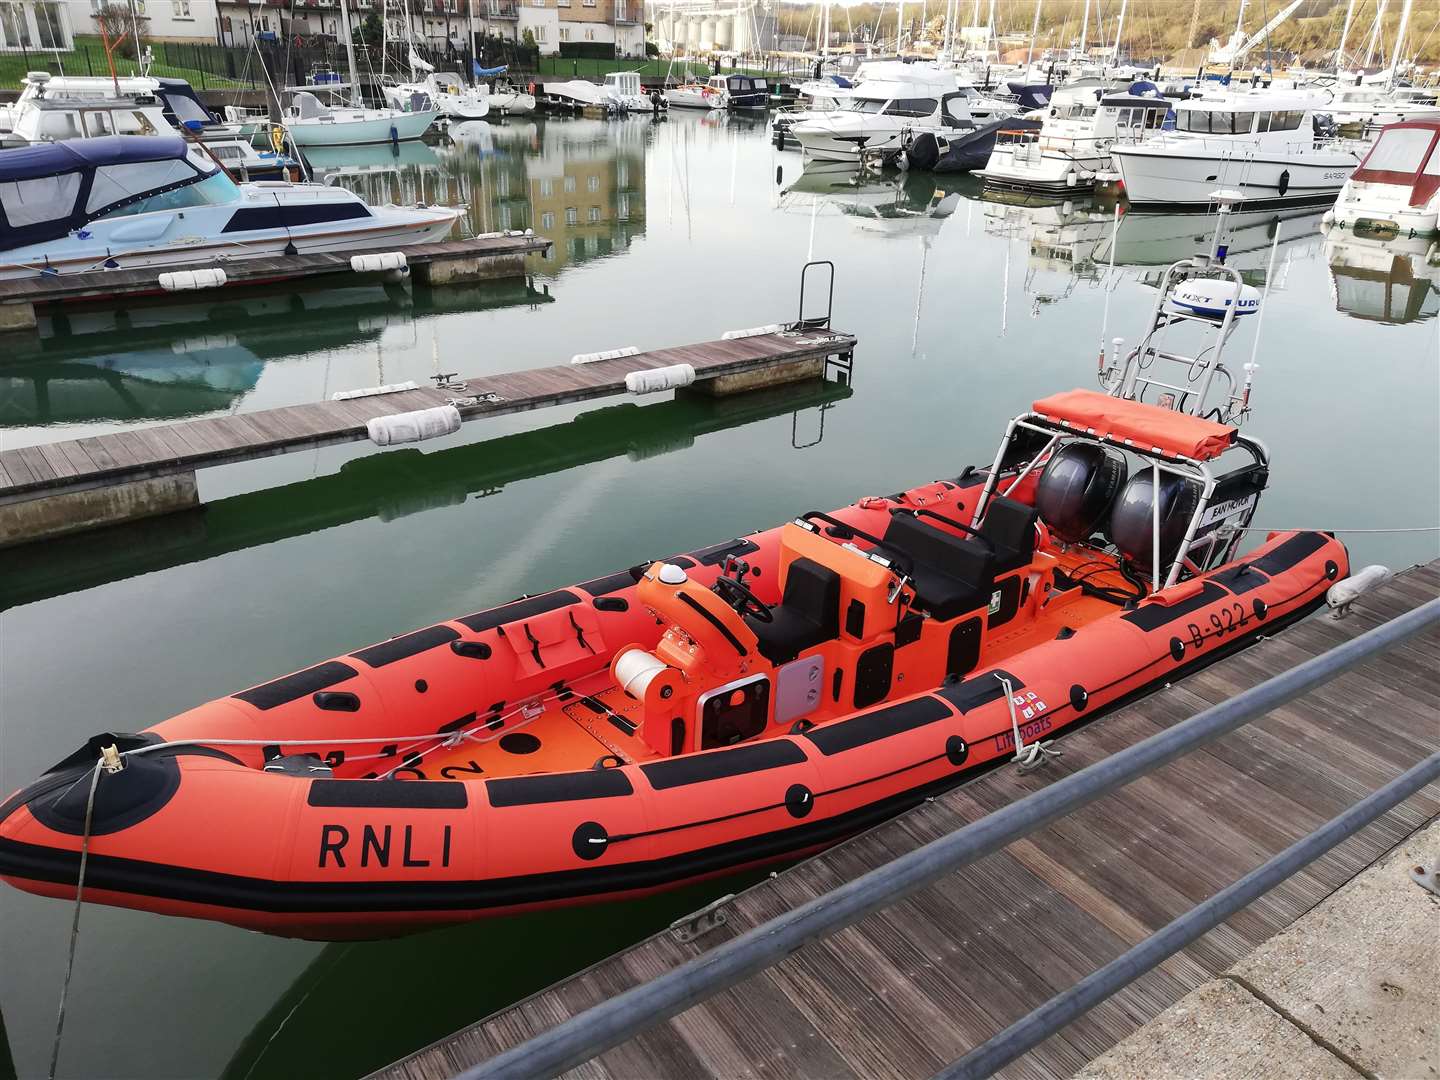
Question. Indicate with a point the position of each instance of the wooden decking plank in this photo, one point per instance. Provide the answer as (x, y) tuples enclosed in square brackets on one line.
[(55, 456), (17, 471), (35, 460)]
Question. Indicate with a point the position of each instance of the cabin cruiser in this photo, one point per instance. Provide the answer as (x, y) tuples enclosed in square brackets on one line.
[(178, 101), (53, 109), (1271, 145), (620, 92), (1379, 106), (311, 122), (1072, 146), (1396, 189), (441, 90), (121, 201), (875, 118)]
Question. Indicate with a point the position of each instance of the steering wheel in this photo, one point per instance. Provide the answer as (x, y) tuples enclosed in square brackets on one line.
[(742, 599)]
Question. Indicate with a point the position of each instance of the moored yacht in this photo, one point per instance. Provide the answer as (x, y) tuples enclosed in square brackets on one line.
[(1269, 145), (1073, 144), (122, 201), (312, 122), (444, 91), (875, 117), (1396, 189), (1378, 106)]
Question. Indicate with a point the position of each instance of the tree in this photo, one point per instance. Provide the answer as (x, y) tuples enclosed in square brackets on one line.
[(529, 39), (116, 23), (651, 49), (370, 31)]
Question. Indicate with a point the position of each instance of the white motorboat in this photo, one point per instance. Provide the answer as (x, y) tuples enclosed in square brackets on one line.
[(72, 110), (1072, 147), (1396, 190), (574, 93), (874, 119), (444, 92), (1379, 106), (124, 201), (1267, 145)]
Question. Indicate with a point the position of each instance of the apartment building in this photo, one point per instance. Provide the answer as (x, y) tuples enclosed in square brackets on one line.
[(28, 25)]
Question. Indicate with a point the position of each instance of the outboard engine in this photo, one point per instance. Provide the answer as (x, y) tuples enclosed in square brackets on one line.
[(1324, 125), (1077, 488), (923, 152), (1132, 523)]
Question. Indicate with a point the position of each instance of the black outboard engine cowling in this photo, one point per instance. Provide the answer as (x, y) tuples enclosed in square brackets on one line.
[(1077, 487), (923, 152), (1132, 523), (1324, 126)]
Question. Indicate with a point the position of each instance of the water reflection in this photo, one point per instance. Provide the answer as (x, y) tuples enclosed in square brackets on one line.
[(398, 484), (579, 182), (1385, 281), (903, 204), (192, 359)]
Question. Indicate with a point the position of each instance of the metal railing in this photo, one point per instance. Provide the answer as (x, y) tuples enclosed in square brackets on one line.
[(624, 1016)]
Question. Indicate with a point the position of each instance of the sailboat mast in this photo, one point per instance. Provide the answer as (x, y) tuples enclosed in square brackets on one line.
[(1374, 33), (1399, 40), (1034, 29), (349, 51), (1119, 32), (1344, 33), (1084, 27)]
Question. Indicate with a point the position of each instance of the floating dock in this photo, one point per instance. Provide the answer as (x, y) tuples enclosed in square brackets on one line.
[(477, 258), (915, 986), (67, 486)]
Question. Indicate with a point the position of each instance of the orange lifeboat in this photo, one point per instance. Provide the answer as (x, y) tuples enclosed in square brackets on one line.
[(697, 714)]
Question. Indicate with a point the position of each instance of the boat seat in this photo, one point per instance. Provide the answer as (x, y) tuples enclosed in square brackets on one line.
[(808, 613), (1010, 526), (951, 574)]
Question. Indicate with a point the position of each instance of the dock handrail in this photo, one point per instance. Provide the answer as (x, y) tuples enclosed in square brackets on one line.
[(625, 1015)]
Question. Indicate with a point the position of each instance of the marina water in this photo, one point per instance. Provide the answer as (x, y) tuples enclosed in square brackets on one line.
[(967, 308)]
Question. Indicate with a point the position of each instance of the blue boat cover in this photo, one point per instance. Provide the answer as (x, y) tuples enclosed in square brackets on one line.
[(487, 73), (51, 159)]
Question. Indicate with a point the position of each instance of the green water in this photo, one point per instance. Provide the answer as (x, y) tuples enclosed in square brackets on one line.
[(966, 311)]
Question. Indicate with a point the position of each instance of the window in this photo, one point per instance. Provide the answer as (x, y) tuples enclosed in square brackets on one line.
[(863, 105), (1401, 150), (572, 216), (547, 189), (911, 107), (594, 214), (180, 9), (547, 219), (51, 25), (14, 25), (97, 123), (589, 35), (562, 3), (46, 198), (588, 3), (622, 207), (452, 6), (215, 189), (1289, 120), (564, 33), (539, 33), (622, 172), (569, 185), (592, 183), (59, 126)]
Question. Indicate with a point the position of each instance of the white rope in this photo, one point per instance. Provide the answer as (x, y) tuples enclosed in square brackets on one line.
[(1265, 528), (75, 921)]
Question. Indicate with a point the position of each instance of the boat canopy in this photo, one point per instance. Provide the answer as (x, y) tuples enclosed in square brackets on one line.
[(1405, 155), (1137, 425), (46, 191)]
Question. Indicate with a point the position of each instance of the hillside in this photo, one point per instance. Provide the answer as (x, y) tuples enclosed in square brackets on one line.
[(1153, 28)]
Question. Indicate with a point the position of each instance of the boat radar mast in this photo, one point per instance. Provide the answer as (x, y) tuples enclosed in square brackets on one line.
[(1201, 291)]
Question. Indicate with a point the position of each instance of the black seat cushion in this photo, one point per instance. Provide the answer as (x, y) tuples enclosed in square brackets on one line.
[(951, 574), (1010, 526), (808, 613)]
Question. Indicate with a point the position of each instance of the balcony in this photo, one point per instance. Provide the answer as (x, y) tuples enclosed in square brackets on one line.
[(627, 13), (499, 9)]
